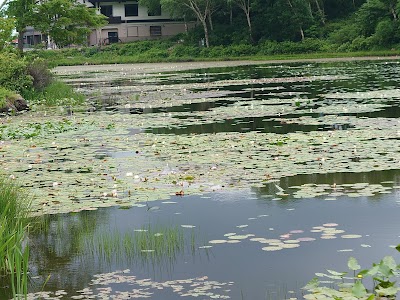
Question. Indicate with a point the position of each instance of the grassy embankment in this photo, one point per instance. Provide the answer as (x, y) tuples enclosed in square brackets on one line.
[(170, 51), (31, 78)]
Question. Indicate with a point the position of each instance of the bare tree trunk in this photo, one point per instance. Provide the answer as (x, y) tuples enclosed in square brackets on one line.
[(245, 6), (210, 22), (302, 33), (21, 40), (250, 28), (206, 35), (230, 15), (202, 15), (394, 14), (321, 12)]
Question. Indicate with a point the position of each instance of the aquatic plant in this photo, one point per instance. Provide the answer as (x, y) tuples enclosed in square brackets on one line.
[(14, 226), (351, 286), (57, 93), (151, 243)]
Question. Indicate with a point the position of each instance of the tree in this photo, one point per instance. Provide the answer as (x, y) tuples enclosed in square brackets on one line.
[(6, 27), (20, 10), (153, 6), (301, 14), (369, 15), (66, 21), (202, 9), (245, 6)]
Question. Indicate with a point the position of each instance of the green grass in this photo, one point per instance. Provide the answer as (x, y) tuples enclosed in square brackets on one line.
[(56, 93), (150, 245), (14, 226), (5, 95), (114, 56)]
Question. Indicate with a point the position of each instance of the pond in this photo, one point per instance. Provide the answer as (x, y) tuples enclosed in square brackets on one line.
[(220, 182)]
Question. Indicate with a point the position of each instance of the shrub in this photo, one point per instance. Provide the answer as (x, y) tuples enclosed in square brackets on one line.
[(386, 33), (14, 74), (240, 50), (185, 51), (360, 44), (40, 73), (10, 100), (4, 94), (56, 93)]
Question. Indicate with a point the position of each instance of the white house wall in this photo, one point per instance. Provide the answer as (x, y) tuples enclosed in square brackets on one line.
[(119, 11), (128, 32), (131, 28)]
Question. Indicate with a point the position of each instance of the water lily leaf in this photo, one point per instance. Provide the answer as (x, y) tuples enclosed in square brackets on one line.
[(373, 271), (336, 273), (359, 290), (312, 284), (272, 248), (188, 226), (353, 264), (351, 236), (390, 262), (389, 292), (218, 241)]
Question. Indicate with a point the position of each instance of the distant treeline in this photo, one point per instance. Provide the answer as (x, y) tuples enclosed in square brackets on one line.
[(344, 25)]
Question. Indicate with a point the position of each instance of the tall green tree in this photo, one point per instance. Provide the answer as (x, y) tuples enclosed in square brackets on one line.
[(65, 21), (153, 6), (6, 28), (21, 11), (246, 7), (202, 9)]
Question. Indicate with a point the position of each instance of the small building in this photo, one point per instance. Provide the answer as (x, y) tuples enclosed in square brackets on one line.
[(127, 21)]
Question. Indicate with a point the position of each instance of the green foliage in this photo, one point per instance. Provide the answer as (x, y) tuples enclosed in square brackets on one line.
[(14, 73), (6, 27), (57, 93), (352, 287), (40, 73), (5, 94), (386, 33), (288, 47), (32, 130), (14, 225), (65, 21)]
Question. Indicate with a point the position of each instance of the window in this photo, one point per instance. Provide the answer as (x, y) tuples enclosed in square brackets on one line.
[(131, 10), (155, 30), (113, 37), (154, 12), (106, 10)]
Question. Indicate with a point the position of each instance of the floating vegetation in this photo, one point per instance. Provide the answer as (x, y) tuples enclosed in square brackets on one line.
[(98, 165), (351, 236), (169, 136), (123, 285), (328, 231), (339, 190)]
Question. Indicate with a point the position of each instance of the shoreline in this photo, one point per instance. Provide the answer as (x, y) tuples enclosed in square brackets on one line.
[(145, 68)]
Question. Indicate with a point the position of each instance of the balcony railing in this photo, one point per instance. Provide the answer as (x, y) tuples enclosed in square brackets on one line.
[(114, 20)]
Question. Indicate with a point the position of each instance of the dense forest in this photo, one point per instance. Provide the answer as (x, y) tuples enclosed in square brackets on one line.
[(224, 28), (344, 25)]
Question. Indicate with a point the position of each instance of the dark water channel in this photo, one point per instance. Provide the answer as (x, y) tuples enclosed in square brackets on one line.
[(68, 250)]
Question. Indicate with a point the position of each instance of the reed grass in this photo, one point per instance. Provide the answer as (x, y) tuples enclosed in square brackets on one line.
[(150, 243), (14, 227)]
